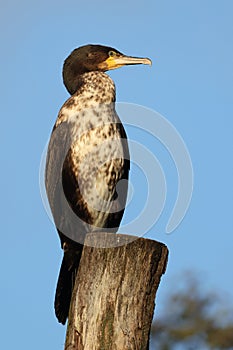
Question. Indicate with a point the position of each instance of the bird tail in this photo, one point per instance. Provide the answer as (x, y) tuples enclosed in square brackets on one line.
[(66, 280)]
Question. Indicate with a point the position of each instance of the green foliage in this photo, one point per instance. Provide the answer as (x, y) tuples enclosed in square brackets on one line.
[(193, 320)]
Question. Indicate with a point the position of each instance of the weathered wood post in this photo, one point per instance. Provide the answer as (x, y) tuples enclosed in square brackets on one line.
[(114, 295)]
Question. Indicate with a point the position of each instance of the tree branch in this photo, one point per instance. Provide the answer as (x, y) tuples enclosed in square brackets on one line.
[(114, 295)]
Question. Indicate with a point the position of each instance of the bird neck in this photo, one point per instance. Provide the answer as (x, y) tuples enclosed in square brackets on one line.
[(96, 89), (96, 86)]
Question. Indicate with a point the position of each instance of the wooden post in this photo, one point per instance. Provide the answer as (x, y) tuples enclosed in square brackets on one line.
[(114, 295)]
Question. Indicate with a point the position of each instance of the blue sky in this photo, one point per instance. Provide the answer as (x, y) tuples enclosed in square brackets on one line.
[(190, 83)]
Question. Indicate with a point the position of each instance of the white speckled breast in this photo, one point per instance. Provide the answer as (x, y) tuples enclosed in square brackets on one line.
[(97, 150)]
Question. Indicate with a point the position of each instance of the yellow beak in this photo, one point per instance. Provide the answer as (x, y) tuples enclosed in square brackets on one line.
[(114, 62)]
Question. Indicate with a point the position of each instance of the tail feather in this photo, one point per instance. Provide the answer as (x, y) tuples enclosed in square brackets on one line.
[(66, 281)]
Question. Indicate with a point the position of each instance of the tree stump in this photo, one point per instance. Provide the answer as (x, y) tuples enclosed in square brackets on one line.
[(114, 295)]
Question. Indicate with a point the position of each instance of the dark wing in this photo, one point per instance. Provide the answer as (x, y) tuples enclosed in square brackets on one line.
[(66, 221)]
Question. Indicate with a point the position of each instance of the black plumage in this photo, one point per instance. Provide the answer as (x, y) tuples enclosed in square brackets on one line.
[(87, 158)]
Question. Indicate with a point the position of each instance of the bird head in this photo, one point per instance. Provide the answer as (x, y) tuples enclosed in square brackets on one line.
[(90, 58)]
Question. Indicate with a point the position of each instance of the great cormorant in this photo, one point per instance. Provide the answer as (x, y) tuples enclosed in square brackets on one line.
[(87, 157)]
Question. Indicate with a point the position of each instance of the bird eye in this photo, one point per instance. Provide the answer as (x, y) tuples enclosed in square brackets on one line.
[(112, 53)]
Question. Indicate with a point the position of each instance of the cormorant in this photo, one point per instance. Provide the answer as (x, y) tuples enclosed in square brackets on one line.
[(87, 157)]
